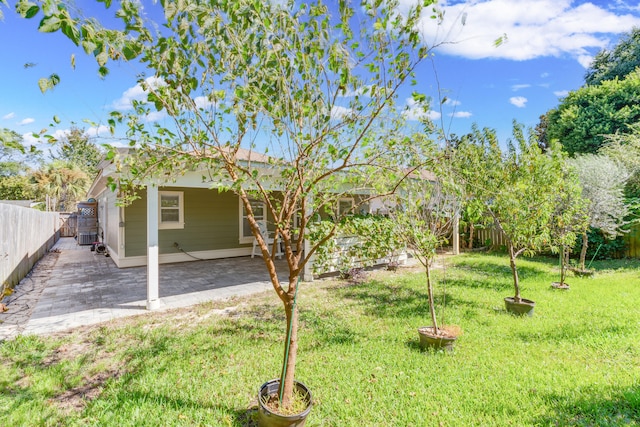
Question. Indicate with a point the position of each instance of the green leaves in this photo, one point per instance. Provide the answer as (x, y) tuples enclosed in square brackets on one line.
[(50, 24), (27, 9), (49, 83)]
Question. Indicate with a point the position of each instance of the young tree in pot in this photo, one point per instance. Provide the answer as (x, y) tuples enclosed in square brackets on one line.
[(424, 212), (518, 188), (314, 87), (569, 219)]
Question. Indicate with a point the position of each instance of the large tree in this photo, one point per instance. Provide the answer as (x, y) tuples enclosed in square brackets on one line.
[(617, 63), (313, 86), (586, 115), (15, 158), (77, 148)]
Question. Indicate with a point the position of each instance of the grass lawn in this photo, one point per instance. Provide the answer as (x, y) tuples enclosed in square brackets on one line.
[(576, 362)]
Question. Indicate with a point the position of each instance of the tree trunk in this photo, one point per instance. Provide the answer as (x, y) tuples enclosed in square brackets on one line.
[(432, 308), (471, 231), (290, 352), (583, 252), (563, 264), (514, 270)]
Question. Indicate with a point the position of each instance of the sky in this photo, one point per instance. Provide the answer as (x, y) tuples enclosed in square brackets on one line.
[(549, 45)]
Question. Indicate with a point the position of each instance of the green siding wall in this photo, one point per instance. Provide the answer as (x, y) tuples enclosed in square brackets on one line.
[(211, 222)]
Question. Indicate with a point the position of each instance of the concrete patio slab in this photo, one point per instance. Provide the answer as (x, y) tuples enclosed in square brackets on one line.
[(72, 286)]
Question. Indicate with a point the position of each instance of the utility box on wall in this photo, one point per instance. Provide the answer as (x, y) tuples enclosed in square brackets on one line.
[(87, 229)]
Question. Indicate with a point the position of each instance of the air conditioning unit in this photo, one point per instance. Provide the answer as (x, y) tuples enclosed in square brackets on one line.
[(87, 238)]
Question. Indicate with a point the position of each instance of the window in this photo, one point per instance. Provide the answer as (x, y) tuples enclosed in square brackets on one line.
[(345, 207), (259, 213), (171, 208)]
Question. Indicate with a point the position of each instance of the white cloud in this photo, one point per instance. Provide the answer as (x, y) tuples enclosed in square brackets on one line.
[(97, 131), (518, 101), (419, 114), (137, 93), (361, 91), (339, 112), (417, 111), (516, 88), (561, 93), (155, 116), (9, 116), (534, 28), (29, 139), (544, 75), (452, 102), (26, 121), (461, 114), (585, 60), (203, 102)]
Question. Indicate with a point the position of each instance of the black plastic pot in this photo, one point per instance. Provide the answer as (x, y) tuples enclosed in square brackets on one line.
[(524, 307), (266, 418), (429, 340)]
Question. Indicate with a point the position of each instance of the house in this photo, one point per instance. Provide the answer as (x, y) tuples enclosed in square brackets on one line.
[(194, 219), (177, 220)]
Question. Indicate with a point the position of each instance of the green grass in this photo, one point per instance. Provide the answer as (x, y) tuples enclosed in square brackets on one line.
[(576, 362)]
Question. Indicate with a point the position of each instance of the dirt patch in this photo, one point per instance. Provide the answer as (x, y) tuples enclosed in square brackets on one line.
[(75, 399)]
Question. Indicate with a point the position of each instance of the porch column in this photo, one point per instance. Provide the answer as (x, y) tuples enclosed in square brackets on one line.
[(307, 274), (456, 234), (153, 276)]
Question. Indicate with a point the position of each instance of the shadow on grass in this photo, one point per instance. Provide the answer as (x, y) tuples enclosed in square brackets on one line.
[(580, 333), (498, 271), (414, 345), (397, 301), (615, 265), (620, 410), (238, 417), (328, 329)]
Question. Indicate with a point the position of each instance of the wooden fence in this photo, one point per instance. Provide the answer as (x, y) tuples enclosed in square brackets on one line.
[(632, 241), (68, 224), (25, 236), (493, 238)]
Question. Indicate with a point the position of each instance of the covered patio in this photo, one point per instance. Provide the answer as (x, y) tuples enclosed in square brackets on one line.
[(73, 286)]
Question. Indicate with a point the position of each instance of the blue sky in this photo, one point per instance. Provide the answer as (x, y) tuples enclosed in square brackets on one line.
[(549, 45)]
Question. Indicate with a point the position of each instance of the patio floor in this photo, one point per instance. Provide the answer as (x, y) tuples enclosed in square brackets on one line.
[(72, 286)]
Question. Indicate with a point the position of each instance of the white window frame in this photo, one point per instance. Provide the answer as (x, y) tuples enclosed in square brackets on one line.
[(249, 239), (171, 225), (341, 200)]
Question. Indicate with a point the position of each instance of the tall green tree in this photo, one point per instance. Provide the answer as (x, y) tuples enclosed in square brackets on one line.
[(586, 115), (15, 160), (616, 63), (14, 156), (315, 87), (17, 187), (76, 148)]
